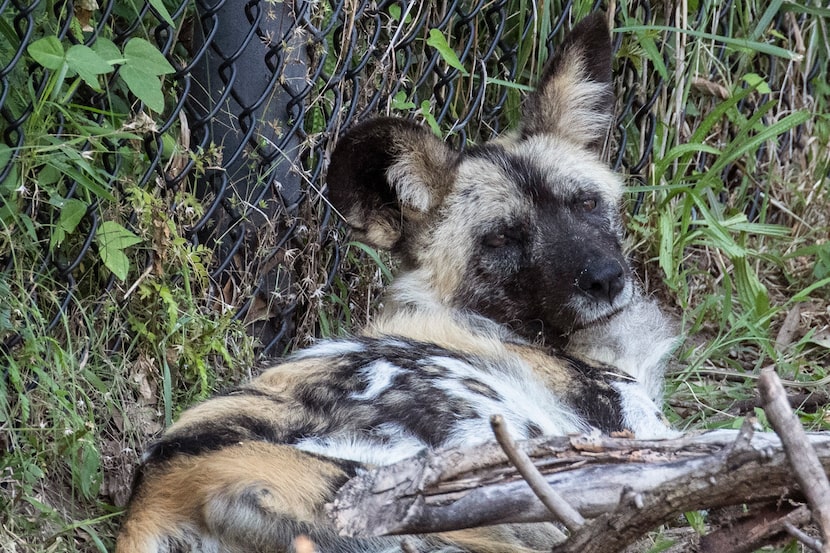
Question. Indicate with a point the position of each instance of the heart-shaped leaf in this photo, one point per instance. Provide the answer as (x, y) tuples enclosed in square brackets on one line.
[(48, 52)]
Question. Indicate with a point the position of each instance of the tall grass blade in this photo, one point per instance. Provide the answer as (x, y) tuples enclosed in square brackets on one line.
[(743, 43), (766, 19)]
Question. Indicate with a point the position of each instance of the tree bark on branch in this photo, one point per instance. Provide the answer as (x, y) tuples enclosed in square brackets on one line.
[(627, 487)]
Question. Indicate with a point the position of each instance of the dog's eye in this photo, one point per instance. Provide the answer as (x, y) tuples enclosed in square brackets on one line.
[(502, 238), (495, 240), (588, 204)]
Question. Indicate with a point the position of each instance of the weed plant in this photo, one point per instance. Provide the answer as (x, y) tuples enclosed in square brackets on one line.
[(728, 214)]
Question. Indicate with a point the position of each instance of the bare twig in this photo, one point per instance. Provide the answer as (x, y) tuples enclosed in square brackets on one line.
[(805, 401), (138, 281), (789, 328), (797, 34), (808, 470), (809, 541), (743, 442), (555, 503)]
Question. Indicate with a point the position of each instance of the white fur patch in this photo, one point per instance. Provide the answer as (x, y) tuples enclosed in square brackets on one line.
[(522, 400), (362, 448), (411, 192), (333, 348), (641, 415), (638, 341), (379, 377)]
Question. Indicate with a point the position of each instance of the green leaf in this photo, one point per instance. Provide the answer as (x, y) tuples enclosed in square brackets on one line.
[(663, 163), (743, 145), (87, 469), (661, 544), (145, 86), (666, 251), (34, 472), (6, 154), (757, 82), (29, 225), (400, 102), (697, 521), (88, 176), (648, 44), (821, 267), (112, 239), (716, 115), (375, 256), (90, 184), (761, 415), (87, 64), (108, 51), (720, 237), (798, 7), (143, 56), (508, 84), (113, 235), (72, 211), (159, 6), (739, 223), (437, 41), (115, 261), (143, 63), (766, 19), (48, 52), (430, 118), (805, 294), (90, 531), (395, 12), (751, 292)]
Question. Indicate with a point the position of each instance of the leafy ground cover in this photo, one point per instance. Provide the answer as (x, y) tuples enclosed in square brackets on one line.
[(729, 218)]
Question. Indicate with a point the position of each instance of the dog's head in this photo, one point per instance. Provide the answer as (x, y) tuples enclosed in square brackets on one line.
[(525, 229)]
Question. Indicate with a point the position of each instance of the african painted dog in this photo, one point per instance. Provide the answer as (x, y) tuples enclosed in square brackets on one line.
[(513, 298)]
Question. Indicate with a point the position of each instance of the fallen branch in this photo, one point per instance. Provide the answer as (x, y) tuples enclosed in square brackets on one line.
[(556, 504), (809, 472), (626, 486), (808, 402), (804, 538)]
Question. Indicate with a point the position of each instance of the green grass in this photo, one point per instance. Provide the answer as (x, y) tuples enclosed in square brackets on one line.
[(733, 280), (730, 233)]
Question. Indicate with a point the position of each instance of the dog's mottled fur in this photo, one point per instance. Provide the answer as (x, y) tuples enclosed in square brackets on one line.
[(514, 298)]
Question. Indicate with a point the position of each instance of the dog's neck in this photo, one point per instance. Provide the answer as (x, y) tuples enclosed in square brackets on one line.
[(414, 312)]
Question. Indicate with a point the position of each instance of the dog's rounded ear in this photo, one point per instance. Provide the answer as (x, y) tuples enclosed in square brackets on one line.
[(385, 173), (574, 99)]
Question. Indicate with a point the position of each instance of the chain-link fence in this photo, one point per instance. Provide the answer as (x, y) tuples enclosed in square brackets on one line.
[(259, 92)]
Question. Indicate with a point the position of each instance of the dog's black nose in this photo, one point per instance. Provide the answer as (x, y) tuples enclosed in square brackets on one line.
[(602, 279)]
